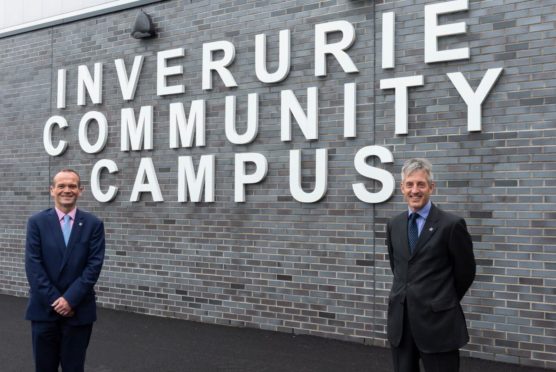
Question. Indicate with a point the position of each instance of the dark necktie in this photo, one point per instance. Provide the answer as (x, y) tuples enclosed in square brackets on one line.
[(412, 232)]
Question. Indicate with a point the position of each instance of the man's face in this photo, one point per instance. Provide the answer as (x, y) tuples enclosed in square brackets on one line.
[(416, 189), (65, 191)]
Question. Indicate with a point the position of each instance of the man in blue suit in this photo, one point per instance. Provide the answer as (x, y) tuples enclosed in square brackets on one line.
[(64, 253)]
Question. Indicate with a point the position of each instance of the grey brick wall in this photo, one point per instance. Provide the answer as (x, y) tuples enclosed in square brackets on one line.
[(272, 262)]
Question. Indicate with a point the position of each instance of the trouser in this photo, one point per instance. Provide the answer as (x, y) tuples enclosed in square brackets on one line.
[(57, 343), (406, 356)]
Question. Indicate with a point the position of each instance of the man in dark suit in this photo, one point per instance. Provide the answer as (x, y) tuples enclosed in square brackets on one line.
[(64, 252), (431, 256)]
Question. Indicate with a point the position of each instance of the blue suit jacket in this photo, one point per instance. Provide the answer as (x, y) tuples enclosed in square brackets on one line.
[(54, 270)]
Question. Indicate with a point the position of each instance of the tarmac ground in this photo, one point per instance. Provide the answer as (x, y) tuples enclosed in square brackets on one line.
[(129, 342)]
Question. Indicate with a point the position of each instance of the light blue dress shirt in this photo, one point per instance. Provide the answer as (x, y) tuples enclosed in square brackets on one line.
[(423, 214)]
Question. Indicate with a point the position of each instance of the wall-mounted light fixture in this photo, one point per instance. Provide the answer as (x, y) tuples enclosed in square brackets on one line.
[(143, 27)]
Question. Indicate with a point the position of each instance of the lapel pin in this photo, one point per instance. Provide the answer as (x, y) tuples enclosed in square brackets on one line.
[(431, 228), (80, 223)]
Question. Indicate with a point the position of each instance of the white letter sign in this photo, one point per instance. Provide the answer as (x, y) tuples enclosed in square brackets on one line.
[(400, 86), (241, 178), (322, 48), (321, 177), (196, 183), (95, 181), (384, 177), (219, 66), (86, 83), (102, 132), (162, 71), (433, 31), (283, 54), (146, 172), (474, 100), (47, 136)]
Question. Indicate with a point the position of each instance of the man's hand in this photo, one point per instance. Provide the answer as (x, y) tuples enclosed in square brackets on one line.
[(62, 307)]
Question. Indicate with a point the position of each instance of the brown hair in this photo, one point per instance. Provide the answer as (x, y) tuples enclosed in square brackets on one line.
[(67, 170)]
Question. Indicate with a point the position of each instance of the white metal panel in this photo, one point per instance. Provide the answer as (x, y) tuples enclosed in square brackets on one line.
[(25, 15), (32, 10)]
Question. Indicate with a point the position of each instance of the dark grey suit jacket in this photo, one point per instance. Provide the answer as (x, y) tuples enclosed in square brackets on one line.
[(430, 282)]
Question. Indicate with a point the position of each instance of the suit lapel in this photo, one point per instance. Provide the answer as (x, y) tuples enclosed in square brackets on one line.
[(74, 237), (429, 229), (400, 234), (56, 229)]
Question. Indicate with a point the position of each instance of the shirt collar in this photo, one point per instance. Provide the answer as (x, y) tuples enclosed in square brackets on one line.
[(62, 214), (423, 212)]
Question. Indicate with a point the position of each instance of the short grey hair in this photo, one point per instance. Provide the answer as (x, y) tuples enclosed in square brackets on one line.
[(415, 164)]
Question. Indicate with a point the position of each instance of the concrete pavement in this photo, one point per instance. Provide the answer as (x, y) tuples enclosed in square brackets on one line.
[(128, 342)]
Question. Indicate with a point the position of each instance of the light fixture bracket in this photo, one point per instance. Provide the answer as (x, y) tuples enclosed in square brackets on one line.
[(143, 28)]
